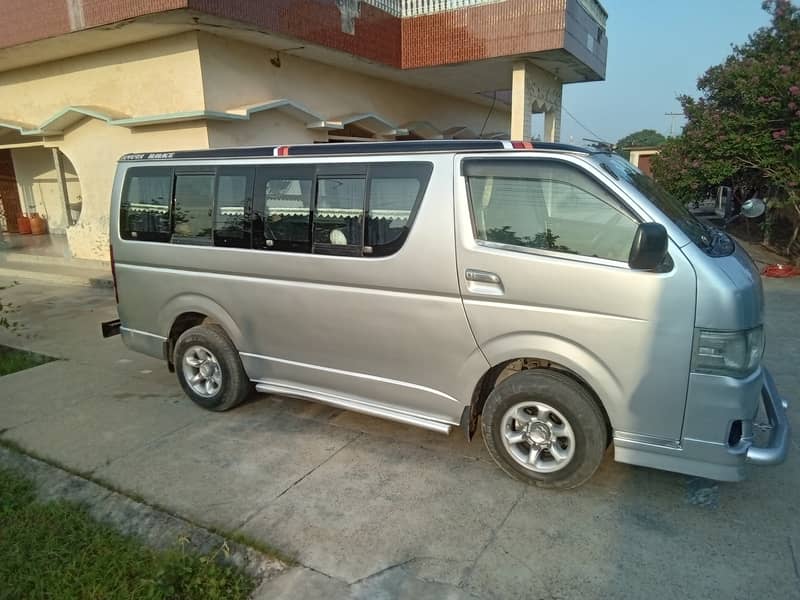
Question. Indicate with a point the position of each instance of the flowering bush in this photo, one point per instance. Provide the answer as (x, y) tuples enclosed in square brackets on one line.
[(744, 129)]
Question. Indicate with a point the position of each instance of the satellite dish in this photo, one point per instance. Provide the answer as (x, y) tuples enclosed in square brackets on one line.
[(753, 208)]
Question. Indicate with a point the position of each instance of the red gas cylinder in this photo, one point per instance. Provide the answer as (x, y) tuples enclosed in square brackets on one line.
[(38, 224), (24, 225)]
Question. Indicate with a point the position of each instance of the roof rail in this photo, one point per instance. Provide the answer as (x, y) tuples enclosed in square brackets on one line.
[(359, 148)]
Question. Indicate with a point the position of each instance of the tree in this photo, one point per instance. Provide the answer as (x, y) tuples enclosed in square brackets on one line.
[(644, 137), (744, 129)]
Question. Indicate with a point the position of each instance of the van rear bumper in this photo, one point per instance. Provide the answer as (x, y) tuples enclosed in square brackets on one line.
[(718, 432), (144, 342)]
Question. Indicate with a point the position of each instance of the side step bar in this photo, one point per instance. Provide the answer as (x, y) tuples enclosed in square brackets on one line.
[(366, 408)]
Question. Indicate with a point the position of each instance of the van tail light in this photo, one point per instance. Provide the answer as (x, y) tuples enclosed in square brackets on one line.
[(113, 273), (522, 145)]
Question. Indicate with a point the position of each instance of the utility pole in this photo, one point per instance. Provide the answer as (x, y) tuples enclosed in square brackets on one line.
[(672, 116)]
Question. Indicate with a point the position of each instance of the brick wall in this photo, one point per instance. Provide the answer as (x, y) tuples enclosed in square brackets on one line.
[(506, 28), (27, 20), (377, 34), (104, 12), (483, 31)]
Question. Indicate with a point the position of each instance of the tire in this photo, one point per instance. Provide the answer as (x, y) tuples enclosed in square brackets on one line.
[(563, 431), (207, 351)]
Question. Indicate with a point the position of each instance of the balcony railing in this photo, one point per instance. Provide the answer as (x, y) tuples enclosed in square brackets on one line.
[(415, 8)]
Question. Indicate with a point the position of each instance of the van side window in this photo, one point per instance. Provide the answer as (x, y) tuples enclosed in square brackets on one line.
[(547, 205), (395, 192), (339, 215), (282, 210), (192, 214), (232, 207), (145, 205)]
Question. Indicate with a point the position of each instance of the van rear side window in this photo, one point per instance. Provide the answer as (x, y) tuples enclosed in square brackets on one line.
[(232, 213), (395, 192), (192, 214), (282, 208), (349, 209), (145, 207), (339, 215)]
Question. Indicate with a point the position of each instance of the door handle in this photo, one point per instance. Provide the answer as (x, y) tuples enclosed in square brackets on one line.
[(483, 277)]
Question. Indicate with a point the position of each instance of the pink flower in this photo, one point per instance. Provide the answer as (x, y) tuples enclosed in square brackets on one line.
[(794, 90), (779, 134), (792, 106)]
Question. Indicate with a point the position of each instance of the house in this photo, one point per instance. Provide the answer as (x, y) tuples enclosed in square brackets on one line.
[(84, 81), (640, 156)]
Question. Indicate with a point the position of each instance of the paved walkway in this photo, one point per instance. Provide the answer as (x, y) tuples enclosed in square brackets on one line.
[(373, 509)]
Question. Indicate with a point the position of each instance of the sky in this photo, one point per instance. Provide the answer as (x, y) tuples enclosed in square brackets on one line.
[(656, 51)]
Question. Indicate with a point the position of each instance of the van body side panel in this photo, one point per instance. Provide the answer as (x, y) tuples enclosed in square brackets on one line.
[(627, 333), (391, 330)]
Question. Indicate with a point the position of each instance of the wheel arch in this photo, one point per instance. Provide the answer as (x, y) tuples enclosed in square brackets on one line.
[(508, 354), (186, 311)]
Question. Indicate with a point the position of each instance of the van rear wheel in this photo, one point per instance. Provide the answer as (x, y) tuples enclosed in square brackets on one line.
[(209, 369), (544, 428)]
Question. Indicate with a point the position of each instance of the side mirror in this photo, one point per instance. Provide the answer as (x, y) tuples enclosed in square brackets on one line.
[(649, 247), (753, 208)]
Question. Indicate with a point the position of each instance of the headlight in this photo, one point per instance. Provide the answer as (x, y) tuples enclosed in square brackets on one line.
[(734, 353)]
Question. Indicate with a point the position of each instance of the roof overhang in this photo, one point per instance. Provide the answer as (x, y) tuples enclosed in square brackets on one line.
[(374, 123), (70, 116)]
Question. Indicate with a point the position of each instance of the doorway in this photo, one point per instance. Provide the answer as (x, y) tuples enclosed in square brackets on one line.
[(10, 208)]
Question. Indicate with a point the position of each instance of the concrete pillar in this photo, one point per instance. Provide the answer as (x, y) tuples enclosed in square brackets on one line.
[(534, 90), (62, 185), (552, 125), (521, 103)]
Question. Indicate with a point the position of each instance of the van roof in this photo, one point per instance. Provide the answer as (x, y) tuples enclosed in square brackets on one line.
[(354, 148)]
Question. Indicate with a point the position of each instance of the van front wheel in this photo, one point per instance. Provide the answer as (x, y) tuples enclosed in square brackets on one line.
[(544, 428), (209, 369)]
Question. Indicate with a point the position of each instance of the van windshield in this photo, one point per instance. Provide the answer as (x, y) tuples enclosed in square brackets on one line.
[(712, 241)]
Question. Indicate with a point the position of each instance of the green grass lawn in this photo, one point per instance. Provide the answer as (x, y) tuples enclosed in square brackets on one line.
[(13, 360), (55, 551)]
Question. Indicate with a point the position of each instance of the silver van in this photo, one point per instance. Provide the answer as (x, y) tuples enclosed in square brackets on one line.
[(553, 296)]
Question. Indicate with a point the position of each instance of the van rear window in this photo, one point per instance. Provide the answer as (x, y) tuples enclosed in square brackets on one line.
[(145, 207)]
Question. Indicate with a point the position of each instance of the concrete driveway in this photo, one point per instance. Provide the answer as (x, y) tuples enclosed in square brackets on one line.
[(376, 509)]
